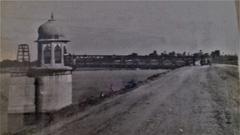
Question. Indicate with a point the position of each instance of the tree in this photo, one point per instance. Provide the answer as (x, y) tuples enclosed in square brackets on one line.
[(172, 53), (134, 54), (154, 53)]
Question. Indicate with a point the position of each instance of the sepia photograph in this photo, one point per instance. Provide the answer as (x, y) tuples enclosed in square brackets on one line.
[(119, 67)]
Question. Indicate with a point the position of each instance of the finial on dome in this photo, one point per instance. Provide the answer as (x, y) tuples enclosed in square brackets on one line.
[(52, 17)]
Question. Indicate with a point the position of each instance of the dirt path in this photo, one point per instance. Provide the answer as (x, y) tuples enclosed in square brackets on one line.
[(189, 101)]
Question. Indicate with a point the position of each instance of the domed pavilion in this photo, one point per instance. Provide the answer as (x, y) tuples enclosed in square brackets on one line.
[(51, 43), (52, 80)]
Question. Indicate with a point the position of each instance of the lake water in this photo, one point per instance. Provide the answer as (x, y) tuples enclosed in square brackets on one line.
[(91, 83)]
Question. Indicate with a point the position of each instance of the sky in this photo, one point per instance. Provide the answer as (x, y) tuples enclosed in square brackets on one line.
[(123, 27)]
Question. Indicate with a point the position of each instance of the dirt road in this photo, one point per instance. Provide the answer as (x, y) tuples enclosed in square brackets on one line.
[(187, 101)]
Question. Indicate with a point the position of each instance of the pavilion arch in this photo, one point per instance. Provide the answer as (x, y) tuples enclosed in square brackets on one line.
[(47, 54), (58, 54)]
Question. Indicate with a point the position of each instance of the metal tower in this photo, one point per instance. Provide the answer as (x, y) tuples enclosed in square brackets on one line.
[(23, 54)]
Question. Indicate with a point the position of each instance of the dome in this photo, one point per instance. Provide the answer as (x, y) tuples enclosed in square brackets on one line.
[(50, 30)]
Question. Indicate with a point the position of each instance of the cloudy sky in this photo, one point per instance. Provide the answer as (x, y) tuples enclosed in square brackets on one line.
[(114, 27)]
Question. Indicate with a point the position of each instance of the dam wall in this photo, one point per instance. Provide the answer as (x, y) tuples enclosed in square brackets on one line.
[(55, 92), (22, 94)]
